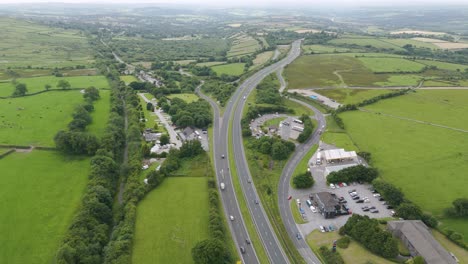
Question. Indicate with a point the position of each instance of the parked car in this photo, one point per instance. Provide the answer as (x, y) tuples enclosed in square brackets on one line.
[(360, 201), (313, 209), (326, 229), (374, 211), (345, 184), (365, 208), (381, 199), (332, 185), (309, 203), (356, 197), (340, 184), (341, 198), (389, 207), (372, 207), (353, 190), (366, 200), (331, 228), (376, 194), (322, 229), (298, 201), (392, 213)]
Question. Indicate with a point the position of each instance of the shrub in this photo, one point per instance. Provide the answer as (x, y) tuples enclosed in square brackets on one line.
[(303, 181), (351, 174), (331, 257), (343, 242)]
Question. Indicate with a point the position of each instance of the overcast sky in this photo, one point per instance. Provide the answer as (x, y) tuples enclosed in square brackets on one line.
[(292, 3)]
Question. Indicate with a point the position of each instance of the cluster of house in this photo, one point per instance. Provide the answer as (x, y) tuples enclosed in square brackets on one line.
[(145, 77)]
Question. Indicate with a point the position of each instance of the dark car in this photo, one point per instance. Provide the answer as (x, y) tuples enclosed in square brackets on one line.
[(365, 208), (343, 202), (242, 249), (372, 207), (374, 191), (341, 198), (298, 236), (360, 201), (247, 241), (389, 207), (353, 190), (356, 197), (374, 211), (326, 229), (381, 199)]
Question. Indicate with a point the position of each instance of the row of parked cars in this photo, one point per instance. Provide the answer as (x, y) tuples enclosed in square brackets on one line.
[(329, 228)]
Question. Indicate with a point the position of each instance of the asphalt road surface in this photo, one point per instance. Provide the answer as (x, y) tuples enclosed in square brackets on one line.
[(283, 188), (260, 219)]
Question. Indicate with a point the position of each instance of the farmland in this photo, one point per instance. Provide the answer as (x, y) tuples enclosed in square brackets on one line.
[(28, 44), (261, 59), (365, 42), (100, 114), (229, 69), (351, 96), (391, 65), (243, 44), (168, 224), (34, 120), (418, 157), (38, 83), (323, 49), (39, 193), (127, 79)]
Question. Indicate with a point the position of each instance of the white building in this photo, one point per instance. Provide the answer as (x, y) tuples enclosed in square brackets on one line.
[(339, 155)]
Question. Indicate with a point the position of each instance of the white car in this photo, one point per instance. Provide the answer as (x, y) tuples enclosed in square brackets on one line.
[(376, 195), (344, 184), (231, 217), (332, 185), (222, 186), (298, 201), (313, 209), (322, 229)]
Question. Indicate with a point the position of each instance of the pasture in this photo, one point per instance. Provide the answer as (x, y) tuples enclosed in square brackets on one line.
[(187, 97), (403, 41), (171, 219), (37, 84), (444, 65), (39, 194), (25, 44), (235, 69), (374, 42), (210, 63), (127, 79), (419, 158), (100, 114), (34, 120), (386, 65), (323, 49), (261, 59)]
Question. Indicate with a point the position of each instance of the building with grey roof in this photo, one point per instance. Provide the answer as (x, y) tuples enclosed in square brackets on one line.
[(420, 242), (327, 204)]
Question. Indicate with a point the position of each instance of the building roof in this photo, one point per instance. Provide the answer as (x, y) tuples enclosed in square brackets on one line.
[(418, 235), (188, 131), (151, 136), (327, 201), (334, 154)]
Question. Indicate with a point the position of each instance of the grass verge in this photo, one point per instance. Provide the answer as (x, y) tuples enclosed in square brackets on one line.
[(295, 212)]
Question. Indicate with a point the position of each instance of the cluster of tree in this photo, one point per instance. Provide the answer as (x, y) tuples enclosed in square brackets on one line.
[(267, 91), (331, 257), (194, 114), (339, 122), (343, 242), (303, 180), (308, 128), (20, 90), (353, 174), (213, 250), (319, 38), (367, 232), (220, 90), (256, 111), (365, 155), (404, 208), (275, 147), (384, 96), (92, 224), (139, 86), (459, 209), (202, 71), (165, 65), (284, 37)]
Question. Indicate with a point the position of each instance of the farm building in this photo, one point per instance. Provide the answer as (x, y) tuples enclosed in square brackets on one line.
[(419, 241), (338, 155), (327, 204)]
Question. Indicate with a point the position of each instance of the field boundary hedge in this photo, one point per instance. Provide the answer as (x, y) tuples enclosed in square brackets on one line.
[(6, 153)]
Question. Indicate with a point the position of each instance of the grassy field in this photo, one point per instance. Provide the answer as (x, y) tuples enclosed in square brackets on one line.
[(417, 157), (459, 252), (211, 63), (184, 96), (323, 49), (34, 120), (366, 42), (403, 42), (170, 220), (242, 45), (229, 69), (295, 212), (341, 140), (26, 43), (261, 59), (127, 79), (100, 114), (391, 65), (351, 96), (355, 253), (38, 83), (39, 193), (400, 80), (444, 65)]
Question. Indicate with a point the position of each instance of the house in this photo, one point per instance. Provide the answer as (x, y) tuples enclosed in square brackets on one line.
[(416, 236), (327, 204), (151, 137)]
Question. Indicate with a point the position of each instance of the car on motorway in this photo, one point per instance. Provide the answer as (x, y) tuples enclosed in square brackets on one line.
[(222, 185), (222, 156), (242, 249), (247, 241), (256, 201), (298, 236), (231, 217)]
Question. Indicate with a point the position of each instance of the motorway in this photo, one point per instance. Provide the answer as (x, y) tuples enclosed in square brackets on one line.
[(283, 188), (265, 230)]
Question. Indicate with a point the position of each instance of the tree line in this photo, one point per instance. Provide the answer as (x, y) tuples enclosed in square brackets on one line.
[(357, 173)]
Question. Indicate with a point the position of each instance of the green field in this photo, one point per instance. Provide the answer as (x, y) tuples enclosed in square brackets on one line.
[(100, 114), (127, 79), (403, 42), (341, 140), (168, 224), (323, 49), (210, 63), (34, 120), (391, 65), (400, 80), (427, 162), (351, 96), (39, 193), (235, 69), (444, 65), (355, 253), (365, 42), (37, 84), (184, 96), (26, 43)]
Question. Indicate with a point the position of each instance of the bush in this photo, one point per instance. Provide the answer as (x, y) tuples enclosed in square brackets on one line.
[(393, 195), (351, 174), (308, 129), (330, 257), (343, 242), (303, 181)]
